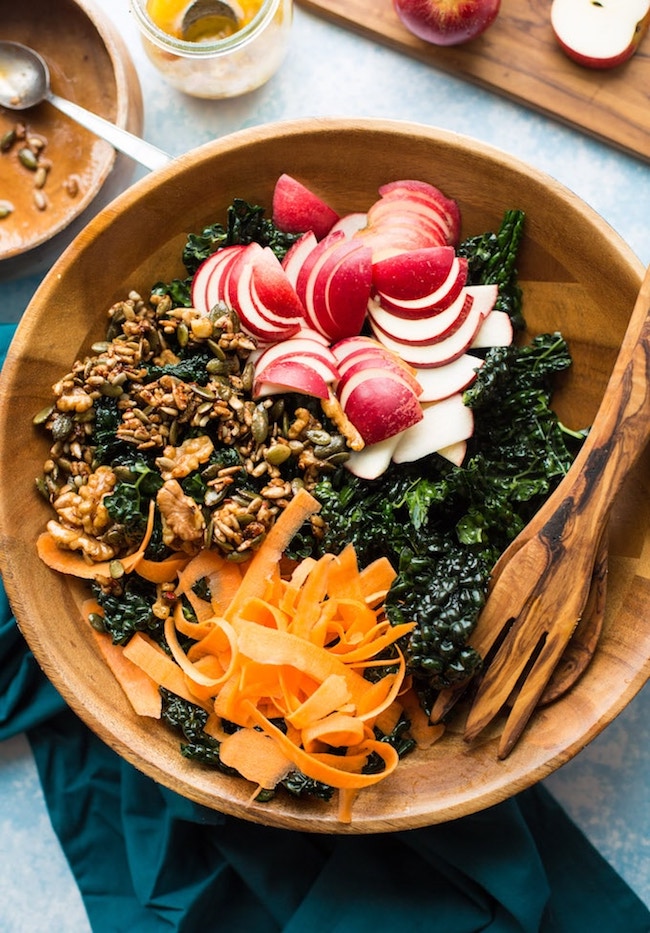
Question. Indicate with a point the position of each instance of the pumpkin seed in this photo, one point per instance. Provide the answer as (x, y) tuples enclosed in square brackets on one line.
[(260, 424), (7, 140), (277, 454), (6, 208), (116, 569), (97, 621), (27, 158), (42, 416), (318, 438)]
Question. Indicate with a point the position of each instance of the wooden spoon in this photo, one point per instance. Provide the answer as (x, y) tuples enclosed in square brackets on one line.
[(542, 581)]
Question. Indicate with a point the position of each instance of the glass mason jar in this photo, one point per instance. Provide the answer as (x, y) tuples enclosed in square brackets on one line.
[(217, 67)]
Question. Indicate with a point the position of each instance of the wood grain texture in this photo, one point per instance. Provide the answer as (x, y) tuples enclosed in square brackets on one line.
[(576, 273), (519, 58)]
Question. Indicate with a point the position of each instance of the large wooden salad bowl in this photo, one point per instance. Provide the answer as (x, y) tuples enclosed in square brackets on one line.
[(577, 276)]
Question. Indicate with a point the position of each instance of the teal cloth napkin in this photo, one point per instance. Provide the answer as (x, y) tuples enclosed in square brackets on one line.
[(149, 861)]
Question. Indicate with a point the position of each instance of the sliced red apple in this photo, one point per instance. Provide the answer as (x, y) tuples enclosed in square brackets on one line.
[(422, 191), (208, 284), (373, 360), (420, 330), (292, 376), (379, 403), (261, 294), (445, 351), (415, 274), (297, 254), (437, 300), (443, 423), (442, 381), (297, 209), (305, 343)]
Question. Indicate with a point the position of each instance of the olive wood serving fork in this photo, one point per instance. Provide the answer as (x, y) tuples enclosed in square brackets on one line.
[(541, 583)]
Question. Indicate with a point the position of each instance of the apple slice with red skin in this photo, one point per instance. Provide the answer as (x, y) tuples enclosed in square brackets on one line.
[(447, 23), (311, 258), (207, 285), (372, 360), (442, 381), (379, 403), (297, 254), (292, 376), (256, 272), (305, 343), (445, 351), (296, 208), (351, 351), (431, 304), (600, 35), (420, 331), (422, 192), (395, 213), (443, 423), (413, 275), (342, 290)]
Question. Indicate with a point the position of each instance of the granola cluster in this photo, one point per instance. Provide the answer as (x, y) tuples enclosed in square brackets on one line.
[(179, 384)]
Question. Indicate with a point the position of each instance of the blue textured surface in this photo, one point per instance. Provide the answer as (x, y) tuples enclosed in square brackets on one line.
[(332, 72)]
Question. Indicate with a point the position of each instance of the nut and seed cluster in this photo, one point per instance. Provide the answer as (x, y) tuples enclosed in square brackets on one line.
[(30, 152), (249, 455)]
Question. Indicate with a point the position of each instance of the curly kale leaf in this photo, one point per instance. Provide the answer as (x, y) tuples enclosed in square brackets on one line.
[(190, 720), (492, 259), (108, 447), (131, 611), (191, 368), (245, 223)]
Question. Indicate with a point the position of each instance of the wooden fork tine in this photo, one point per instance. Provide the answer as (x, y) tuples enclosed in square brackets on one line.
[(536, 681), (505, 669)]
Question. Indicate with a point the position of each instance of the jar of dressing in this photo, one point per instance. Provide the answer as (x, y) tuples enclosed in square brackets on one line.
[(230, 49)]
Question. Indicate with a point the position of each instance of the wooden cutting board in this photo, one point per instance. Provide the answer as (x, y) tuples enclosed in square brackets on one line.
[(519, 58)]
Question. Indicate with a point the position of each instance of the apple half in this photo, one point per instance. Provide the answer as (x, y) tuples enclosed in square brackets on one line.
[(600, 33)]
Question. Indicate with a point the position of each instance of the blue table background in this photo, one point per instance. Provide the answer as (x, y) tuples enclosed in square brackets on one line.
[(331, 72)]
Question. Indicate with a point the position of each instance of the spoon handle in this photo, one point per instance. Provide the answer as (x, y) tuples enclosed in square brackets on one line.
[(134, 147)]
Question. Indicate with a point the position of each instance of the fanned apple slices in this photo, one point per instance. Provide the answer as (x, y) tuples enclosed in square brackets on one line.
[(372, 308)]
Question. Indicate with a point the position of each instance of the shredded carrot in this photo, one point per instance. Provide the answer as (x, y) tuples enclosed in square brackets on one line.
[(268, 555), (141, 690), (283, 641)]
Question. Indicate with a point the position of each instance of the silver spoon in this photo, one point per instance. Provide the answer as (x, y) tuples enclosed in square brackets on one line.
[(25, 82), (203, 10)]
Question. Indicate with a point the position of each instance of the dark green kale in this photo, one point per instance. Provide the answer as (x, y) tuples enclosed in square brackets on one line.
[(108, 447), (190, 720), (129, 611), (492, 259), (192, 367)]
